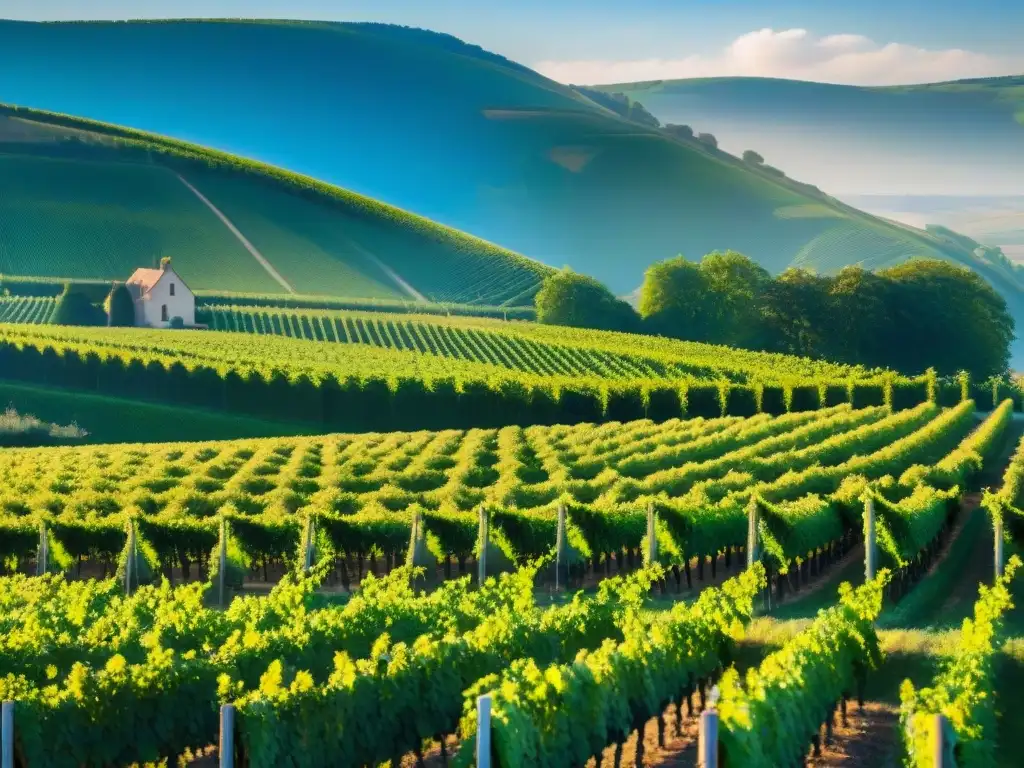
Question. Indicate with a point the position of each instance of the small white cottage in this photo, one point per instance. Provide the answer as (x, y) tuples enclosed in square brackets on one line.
[(160, 295)]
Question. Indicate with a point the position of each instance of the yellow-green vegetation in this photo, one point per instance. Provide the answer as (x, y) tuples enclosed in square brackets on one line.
[(365, 386), (528, 347), (962, 691), (700, 473)]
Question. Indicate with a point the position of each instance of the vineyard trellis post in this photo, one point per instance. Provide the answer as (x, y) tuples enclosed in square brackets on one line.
[(309, 557), (870, 538), (7, 735), (130, 558), (226, 750), (561, 548), (997, 535), (754, 545), (222, 560), (483, 731), (939, 742), (652, 535), (43, 558), (707, 739), (753, 537), (483, 540)]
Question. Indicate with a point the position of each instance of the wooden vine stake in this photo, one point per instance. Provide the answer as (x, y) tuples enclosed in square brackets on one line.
[(997, 533), (754, 545), (482, 542), (939, 742), (483, 731), (753, 536), (226, 751), (707, 739), (561, 549), (7, 735), (43, 556), (870, 539), (222, 560), (131, 558), (309, 547), (652, 535)]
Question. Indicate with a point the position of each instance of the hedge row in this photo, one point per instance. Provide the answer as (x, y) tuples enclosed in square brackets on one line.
[(381, 404)]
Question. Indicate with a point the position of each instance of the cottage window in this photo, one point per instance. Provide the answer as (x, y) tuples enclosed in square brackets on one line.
[(172, 289), (163, 313)]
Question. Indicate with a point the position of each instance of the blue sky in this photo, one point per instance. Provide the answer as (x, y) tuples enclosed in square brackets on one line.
[(869, 41)]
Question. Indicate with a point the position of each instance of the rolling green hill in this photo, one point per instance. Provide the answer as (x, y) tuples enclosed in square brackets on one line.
[(92, 201), (962, 138), (437, 126), (944, 153)]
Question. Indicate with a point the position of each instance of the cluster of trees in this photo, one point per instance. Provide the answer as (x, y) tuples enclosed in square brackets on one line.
[(74, 306), (923, 313), (621, 104)]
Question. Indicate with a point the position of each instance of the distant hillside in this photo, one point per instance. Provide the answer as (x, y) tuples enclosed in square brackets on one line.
[(445, 129), (960, 138), (87, 200)]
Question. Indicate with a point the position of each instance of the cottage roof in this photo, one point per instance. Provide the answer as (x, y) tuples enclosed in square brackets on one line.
[(145, 279)]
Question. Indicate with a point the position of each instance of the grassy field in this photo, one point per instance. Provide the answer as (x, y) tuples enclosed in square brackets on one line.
[(445, 129), (118, 420), (83, 200)]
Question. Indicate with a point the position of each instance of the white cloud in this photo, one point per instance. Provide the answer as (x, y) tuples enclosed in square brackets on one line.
[(798, 55)]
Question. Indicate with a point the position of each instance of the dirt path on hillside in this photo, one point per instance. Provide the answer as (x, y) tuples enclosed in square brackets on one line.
[(238, 234)]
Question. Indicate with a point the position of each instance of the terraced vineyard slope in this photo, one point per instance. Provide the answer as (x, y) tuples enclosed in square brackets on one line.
[(94, 201), (301, 671), (478, 373)]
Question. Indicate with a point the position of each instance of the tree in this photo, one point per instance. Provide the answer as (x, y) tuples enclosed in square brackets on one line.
[(948, 317), (74, 308), (568, 298), (858, 314), (708, 139), (120, 307), (679, 131), (639, 114), (737, 285), (165, 262), (674, 300), (752, 158), (796, 313)]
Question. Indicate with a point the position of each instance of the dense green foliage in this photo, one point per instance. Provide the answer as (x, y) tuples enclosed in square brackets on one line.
[(120, 307), (303, 672), (160, 662), (564, 714), (360, 386), (73, 307), (963, 689), (566, 298), (921, 314), (770, 715), (363, 489)]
